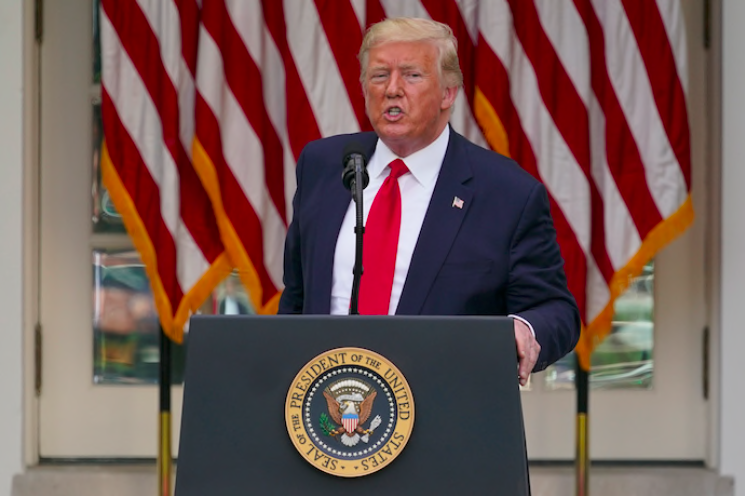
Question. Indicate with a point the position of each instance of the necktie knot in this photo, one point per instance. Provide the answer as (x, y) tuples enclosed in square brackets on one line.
[(398, 169)]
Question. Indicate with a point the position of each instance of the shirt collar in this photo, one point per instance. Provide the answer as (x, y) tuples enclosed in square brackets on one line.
[(424, 165)]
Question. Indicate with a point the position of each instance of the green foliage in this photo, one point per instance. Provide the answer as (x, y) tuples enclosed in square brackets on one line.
[(325, 424)]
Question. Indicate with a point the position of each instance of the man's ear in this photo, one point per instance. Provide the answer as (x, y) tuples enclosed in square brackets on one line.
[(448, 97)]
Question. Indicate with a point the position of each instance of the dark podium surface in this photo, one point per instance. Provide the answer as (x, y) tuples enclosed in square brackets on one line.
[(468, 430)]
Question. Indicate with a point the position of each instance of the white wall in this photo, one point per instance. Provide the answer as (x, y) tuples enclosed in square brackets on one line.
[(732, 408), (11, 238)]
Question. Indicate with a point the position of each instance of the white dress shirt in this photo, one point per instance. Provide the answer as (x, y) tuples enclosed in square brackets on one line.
[(416, 193)]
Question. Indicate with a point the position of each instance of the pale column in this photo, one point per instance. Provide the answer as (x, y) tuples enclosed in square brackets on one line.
[(11, 240), (732, 438)]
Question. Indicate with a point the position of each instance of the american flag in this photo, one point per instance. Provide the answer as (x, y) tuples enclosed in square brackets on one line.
[(589, 96), (148, 52)]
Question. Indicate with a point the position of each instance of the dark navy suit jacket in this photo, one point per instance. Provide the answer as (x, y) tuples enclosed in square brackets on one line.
[(497, 255)]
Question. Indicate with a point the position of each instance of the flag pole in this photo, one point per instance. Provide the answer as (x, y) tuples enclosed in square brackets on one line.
[(164, 448), (582, 460)]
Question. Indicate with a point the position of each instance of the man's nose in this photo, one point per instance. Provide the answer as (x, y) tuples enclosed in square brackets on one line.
[(395, 86)]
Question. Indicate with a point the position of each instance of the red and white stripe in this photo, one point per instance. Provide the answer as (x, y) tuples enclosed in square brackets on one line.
[(597, 90), (587, 95), (147, 105), (350, 424)]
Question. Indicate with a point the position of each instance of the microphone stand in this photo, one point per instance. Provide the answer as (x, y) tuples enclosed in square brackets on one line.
[(358, 184)]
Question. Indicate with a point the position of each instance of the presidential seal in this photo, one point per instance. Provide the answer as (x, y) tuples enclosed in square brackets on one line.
[(349, 412)]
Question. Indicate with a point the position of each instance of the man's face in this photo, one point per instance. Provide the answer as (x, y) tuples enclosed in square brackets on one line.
[(405, 99)]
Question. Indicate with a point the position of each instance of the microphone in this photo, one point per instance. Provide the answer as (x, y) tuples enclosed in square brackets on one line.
[(354, 161), (355, 179)]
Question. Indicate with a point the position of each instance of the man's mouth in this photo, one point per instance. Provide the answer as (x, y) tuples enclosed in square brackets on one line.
[(394, 112)]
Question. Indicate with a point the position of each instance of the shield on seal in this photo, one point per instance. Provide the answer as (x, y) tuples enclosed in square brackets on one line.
[(350, 421)]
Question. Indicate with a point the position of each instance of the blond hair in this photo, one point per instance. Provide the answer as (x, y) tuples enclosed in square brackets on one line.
[(414, 29)]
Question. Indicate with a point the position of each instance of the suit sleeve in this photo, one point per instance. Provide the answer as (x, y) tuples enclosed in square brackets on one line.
[(537, 289), (291, 300)]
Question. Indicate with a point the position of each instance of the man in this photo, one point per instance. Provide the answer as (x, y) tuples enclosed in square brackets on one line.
[(472, 232), (231, 303)]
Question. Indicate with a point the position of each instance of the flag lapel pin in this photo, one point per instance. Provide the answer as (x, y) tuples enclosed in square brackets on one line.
[(457, 203)]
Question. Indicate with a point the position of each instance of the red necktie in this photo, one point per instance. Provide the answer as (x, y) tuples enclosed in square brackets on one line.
[(380, 245)]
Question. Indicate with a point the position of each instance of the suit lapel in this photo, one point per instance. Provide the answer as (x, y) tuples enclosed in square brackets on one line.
[(333, 208), (440, 227)]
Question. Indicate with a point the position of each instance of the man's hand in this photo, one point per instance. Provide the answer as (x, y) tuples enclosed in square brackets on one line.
[(527, 351)]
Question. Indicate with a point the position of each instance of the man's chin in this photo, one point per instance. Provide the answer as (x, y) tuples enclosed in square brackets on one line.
[(392, 133), (393, 141), (403, 146)]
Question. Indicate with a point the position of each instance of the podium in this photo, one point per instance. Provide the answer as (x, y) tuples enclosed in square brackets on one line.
[(467, 435)]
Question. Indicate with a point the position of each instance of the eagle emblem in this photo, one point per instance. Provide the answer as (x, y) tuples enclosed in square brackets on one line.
[(349, 412), (350, 402)]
